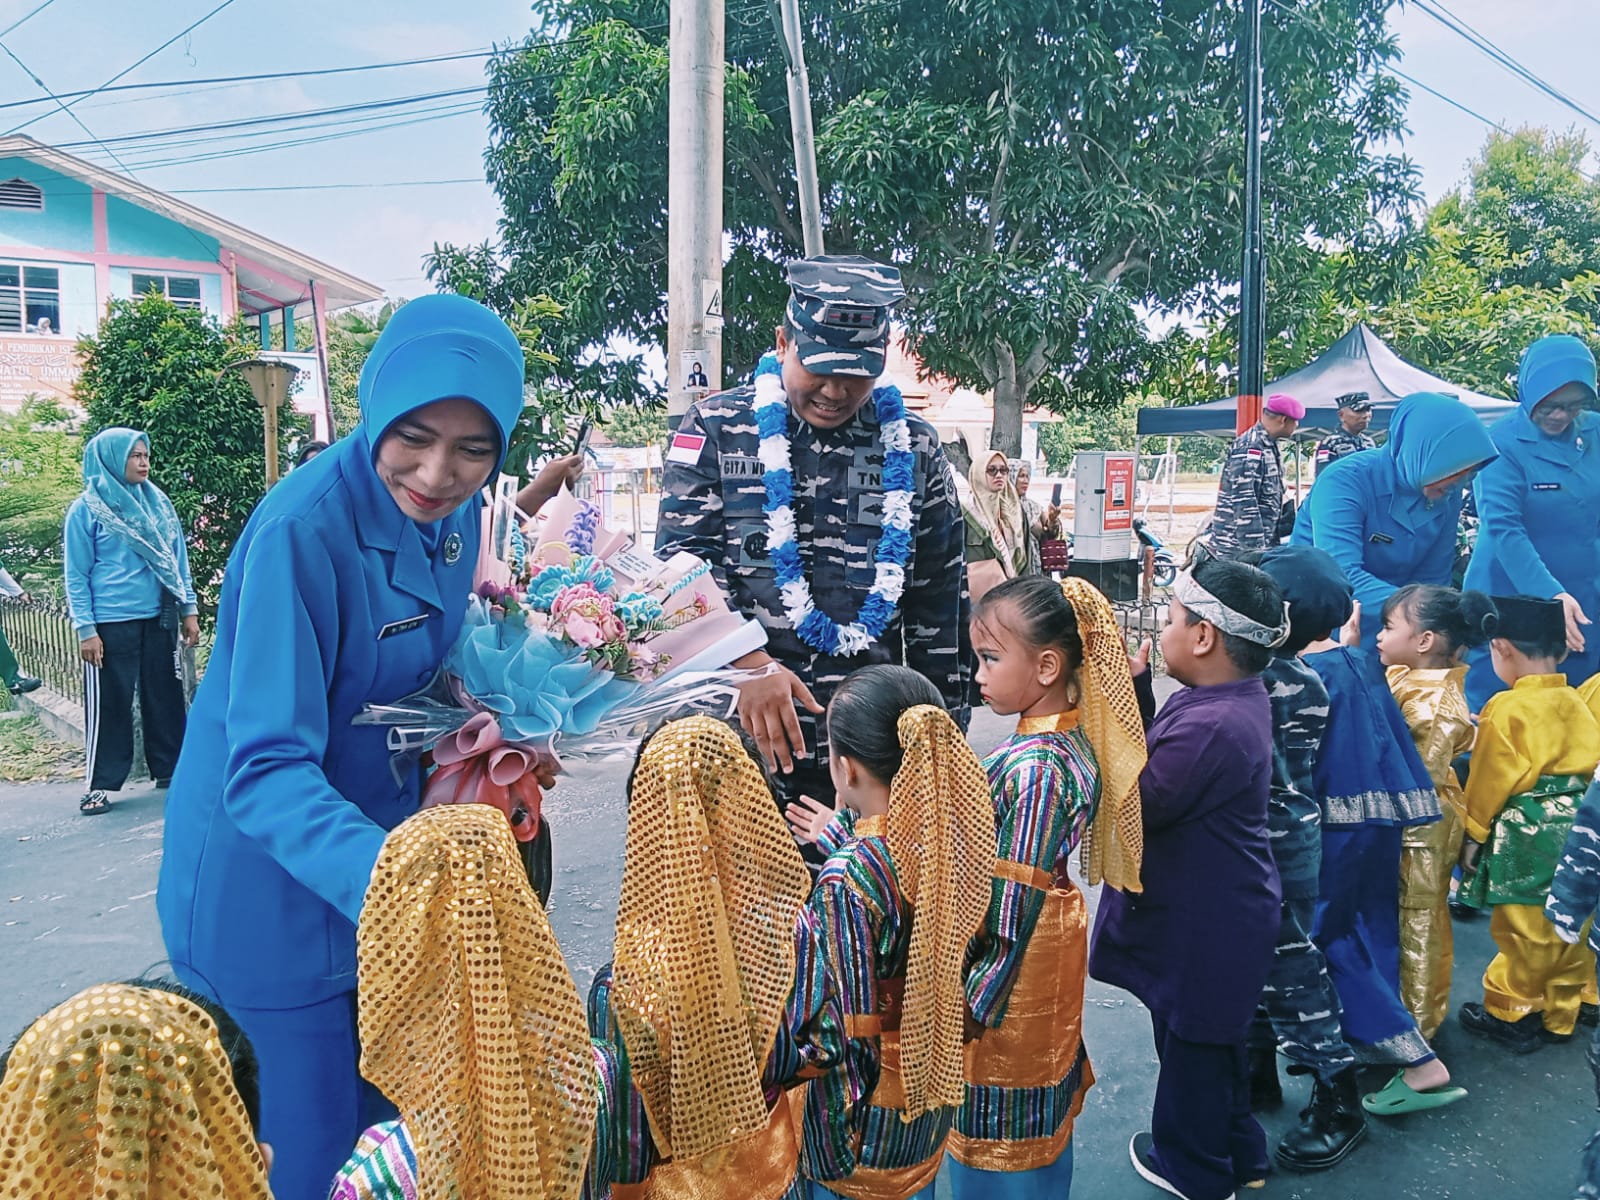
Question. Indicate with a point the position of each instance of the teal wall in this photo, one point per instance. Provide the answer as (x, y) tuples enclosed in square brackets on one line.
[(67, 222), (140, 232), (210, 286)]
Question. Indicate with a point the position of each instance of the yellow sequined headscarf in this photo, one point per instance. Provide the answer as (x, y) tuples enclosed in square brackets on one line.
[(704, 960), (941, 838), (125, 1093), (470, 1021), (1113, 844)]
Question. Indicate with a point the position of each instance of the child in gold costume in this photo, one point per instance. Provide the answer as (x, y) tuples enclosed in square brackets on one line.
[(1537, 747), (1425, 631), (1053, 655), (923, 843)]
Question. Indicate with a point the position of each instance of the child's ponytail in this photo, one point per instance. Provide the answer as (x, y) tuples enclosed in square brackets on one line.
[(1460, 618)]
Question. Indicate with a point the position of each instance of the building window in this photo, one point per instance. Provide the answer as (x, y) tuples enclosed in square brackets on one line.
[(182, 290), (30, 299), (22, 195)]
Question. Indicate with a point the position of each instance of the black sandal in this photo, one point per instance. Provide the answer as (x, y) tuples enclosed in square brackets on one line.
[(94, 803)]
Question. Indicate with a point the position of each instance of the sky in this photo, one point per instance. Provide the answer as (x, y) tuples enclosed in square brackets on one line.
[(380, 230)]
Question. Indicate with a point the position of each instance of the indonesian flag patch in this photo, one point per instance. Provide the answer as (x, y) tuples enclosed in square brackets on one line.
[(686, 448)]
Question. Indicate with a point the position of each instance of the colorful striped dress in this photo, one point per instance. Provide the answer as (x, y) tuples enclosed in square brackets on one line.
[(809, 1042), (1028, 1072), (854, 1142)]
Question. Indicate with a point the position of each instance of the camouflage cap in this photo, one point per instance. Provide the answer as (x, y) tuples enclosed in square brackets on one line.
[(1359, 401), (839, 312)]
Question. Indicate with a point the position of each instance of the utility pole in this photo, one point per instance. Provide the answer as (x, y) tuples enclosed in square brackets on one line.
[(786, 17), (694, 202), (1253, 282)]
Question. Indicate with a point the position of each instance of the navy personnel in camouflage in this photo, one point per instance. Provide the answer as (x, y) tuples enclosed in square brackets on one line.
[(831, 348), (1355, 414), (1250, 496)]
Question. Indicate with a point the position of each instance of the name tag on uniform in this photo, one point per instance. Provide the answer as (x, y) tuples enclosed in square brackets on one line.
[(406, 626), (1547, 487), (1383, 538), (686, 448), (740, 466)]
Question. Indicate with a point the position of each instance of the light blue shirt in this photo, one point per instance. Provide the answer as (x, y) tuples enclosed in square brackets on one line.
[(107, 581)]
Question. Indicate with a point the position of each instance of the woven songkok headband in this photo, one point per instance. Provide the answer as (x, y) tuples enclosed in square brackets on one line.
[(1208, 608), (470, 1022), (125, 1092), (704, 959)]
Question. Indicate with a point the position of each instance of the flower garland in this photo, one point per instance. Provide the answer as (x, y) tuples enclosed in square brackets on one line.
[(814, 627)]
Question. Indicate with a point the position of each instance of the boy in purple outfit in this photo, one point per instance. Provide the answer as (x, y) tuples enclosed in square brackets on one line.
[(1196, 945)]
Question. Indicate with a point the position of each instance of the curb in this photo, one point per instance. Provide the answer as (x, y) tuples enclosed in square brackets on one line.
[(62, 717)]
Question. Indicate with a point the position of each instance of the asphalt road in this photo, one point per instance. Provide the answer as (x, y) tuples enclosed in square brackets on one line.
[(77, 907)]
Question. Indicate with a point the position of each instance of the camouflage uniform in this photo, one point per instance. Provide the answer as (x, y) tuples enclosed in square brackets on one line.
[(1250, 496), (1335, 446)]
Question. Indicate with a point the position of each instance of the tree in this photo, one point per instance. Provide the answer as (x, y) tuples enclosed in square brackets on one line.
[(40, 476), (1045, 174), (160, 368), (629, 426)]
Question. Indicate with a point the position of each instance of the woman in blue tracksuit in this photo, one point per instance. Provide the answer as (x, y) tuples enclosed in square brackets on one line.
[(1539, 505), (348, 586), (1389, 518)]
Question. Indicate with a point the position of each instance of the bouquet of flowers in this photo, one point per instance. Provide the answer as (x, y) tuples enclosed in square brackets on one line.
[(575, 642)]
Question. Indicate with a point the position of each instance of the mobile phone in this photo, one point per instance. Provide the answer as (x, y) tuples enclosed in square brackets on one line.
[(1055, 495), (585, 432)]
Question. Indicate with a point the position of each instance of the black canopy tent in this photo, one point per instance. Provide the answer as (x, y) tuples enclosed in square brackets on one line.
[(1360, 361)]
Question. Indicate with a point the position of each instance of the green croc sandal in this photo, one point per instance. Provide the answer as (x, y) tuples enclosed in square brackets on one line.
[(1397, 1098)]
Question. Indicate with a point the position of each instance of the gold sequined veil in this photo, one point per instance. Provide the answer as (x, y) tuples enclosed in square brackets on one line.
[(125, 1093), (941, 839), (704, 957), (1113, 844), (469, 1019)]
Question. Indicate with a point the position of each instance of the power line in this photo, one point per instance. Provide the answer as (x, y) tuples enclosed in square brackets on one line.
[(129, 70), (325, 187), (23, 20), (45, 88)]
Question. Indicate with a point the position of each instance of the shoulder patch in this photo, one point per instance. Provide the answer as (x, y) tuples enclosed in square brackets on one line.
[(686, 448)]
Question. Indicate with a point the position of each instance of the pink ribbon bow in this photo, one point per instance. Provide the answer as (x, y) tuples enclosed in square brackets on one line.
[(478, 766)]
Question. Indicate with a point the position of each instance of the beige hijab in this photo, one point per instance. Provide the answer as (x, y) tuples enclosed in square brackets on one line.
[(998, 513)]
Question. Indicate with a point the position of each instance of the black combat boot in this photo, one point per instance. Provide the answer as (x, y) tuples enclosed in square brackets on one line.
[(1266, 1093), (1330, 1126)]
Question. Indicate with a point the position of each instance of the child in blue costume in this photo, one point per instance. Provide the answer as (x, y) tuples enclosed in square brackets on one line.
[(1539, 504), (1390, 518), (1371, 784), (347, 587)]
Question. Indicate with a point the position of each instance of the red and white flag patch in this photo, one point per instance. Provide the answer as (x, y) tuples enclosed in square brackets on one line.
[(686, 447)]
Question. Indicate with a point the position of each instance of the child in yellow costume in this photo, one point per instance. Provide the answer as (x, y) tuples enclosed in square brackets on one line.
[(1426, 629), (897, 906), (1537, 747), (1052, 655)]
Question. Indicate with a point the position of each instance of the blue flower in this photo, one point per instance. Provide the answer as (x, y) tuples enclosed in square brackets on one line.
[(780, 489)]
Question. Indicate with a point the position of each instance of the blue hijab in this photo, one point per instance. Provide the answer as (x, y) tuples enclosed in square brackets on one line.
[(1432, 437), (138, 513), (1550, 364)]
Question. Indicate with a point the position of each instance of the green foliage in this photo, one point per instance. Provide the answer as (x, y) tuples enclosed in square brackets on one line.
[(40, 474), (629, 426), (160, 368), (351, 336), (1115, 427), (1044, 173)]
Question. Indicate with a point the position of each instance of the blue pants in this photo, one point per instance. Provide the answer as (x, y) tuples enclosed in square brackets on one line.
[(1357, 927), (314, 1103), (1207, 1143), (1299, 1009), (1053, 1182)]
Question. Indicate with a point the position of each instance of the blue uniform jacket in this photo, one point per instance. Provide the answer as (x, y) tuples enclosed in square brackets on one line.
[(1539, 526), (1368, 511), (279, 805), (107, 581)]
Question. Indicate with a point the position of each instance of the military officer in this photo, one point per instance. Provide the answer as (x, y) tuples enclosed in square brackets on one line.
[(1250, 496), (1355, 414), (841, 604)]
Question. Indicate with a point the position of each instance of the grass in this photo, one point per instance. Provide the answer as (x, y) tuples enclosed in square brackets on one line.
[(28, 754)]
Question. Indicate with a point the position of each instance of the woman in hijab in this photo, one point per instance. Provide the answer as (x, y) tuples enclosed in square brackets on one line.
[(1390, 518), (1539, 505), (137, 1091), (347, 587), (127, 584), (996, 549)]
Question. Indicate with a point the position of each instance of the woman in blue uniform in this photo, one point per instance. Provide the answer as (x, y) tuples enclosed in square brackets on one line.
[(1389, 518), (1539, 505), (348, 586)]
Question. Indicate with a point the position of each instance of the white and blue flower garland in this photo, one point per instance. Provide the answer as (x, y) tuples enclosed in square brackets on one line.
[(814, 627)]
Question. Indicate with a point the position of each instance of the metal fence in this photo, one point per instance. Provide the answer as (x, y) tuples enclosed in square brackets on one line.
[(41, 636)]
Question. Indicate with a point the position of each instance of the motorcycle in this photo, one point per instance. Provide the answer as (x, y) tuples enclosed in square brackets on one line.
[(1166, 566)]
